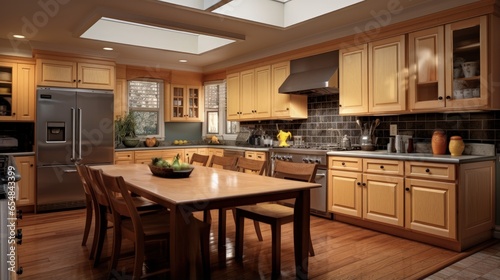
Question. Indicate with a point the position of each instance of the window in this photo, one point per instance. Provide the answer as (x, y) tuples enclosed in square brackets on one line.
[(215, 110), (145, 99)]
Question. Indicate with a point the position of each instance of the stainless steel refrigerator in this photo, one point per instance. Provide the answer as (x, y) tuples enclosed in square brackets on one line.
[(73, 126)]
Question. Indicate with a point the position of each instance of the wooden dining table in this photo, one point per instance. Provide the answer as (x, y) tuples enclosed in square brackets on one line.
[(211, 188)]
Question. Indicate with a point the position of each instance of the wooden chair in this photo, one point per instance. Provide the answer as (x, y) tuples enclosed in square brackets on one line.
[(90, 207), (104, 213), (153, 226), (223, 162), (272, 213), (198, 159)]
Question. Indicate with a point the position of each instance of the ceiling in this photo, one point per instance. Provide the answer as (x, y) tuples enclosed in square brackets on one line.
[(56, 25)]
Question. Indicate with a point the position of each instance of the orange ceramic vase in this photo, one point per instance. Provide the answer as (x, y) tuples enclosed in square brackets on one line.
[(456, 146), (438, 142)]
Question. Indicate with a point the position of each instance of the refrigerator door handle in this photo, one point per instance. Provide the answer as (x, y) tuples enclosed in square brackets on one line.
[(73, 144), (79, 134)]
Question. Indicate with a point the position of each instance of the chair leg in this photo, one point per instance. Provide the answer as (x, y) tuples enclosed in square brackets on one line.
[(256, 225), (116, 249), (207, 217), (240, 229), (205, 249), (139, 259), (276, 250), (97, 222), (88, 221), (311, 249), (101, 235), (222, 228)]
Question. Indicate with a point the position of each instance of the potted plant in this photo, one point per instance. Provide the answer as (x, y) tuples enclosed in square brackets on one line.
[(125, 130)]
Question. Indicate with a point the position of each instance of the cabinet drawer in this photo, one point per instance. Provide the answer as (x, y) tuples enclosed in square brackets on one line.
[(345, 163), (124, 156), (145, 157), (377, 166), (430, 170)]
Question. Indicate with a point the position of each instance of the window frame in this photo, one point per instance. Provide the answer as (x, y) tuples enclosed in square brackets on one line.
[(221, 110)]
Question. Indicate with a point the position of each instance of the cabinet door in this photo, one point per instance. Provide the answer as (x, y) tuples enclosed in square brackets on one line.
[(430, 207), (188, 153), (426, 69), (56, 73), (262, 98), (345, 191), (177, 102), (96, 76), (194, 106), (466, 43), (26, 186), (387, 80), (125, 157), (383, 199), (247, 94), (8, 89), (285, 106), (121, 98), (353, 96), (25, 94), (233, 96)]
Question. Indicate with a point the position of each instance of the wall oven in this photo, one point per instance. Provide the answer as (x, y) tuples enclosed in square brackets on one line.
[(319, 196)]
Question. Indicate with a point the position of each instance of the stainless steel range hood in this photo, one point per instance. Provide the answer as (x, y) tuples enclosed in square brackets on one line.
[(317, 75)]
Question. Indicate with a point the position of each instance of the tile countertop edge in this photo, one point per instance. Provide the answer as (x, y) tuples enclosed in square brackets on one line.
[(382, 154), (259, 149)]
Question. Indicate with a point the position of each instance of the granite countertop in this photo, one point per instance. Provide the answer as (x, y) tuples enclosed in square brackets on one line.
[(246, 148)]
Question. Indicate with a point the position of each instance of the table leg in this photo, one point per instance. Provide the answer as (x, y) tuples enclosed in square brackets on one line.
[(301, 228), (222, 237), (179, 263)]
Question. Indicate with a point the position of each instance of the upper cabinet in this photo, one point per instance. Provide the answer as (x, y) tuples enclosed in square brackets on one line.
[(285, 106), (254, 95), (17, 91), (185, 104), (372, 78), (449, 67), (77, 74)]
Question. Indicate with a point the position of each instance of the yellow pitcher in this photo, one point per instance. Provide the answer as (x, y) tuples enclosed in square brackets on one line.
[(282, 137)]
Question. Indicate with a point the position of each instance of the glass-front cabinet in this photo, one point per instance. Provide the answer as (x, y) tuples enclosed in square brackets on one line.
[(448, 66), (185, 103), (17, 91), (7, 87)]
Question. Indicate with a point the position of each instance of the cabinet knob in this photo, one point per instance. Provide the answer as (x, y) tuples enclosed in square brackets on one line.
[(31, 165), (287, 109), (381, 167), (448, 97), (407, 189), (343, 163), (20, 270), (440, 98), (13, 113), (79, 81), (427, 170), (358, 183), (364, 184), (340, 105), (74, 81)]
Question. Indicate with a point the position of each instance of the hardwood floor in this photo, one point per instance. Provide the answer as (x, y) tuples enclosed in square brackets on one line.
[(52, 249)]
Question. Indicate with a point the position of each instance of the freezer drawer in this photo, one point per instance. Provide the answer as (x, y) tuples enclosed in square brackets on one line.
[(59, 187)]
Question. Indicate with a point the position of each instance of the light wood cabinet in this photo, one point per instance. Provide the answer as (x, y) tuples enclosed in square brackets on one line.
[(436, 76), (361, 188), (254, 95), (373, 78), (26, 186), (353, 96), (185, 104), (76, 74), (449, 205), (262, 156), (17, 91), (285, 106), (386, 75), (145, 157), (121, 98), (188, 153), (124, 157)]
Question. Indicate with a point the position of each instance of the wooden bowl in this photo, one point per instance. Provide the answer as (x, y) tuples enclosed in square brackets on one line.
[(169, 172)]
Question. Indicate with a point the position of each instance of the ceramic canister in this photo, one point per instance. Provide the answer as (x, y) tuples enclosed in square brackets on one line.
[(456, 146), (438, 142)]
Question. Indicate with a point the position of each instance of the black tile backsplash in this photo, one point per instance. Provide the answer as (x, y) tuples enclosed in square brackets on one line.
[(22, 131), (324, 119)]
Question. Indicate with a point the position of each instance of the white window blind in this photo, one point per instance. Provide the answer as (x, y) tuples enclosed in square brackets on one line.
[(145, 99)]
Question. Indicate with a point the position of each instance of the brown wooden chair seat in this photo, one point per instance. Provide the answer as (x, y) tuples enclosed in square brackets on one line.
[(142, 228), (272, 213), (198, 159)]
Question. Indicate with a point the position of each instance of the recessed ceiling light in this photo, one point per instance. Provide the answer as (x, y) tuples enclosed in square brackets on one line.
[(183, 60), (107, 49), (18, 36)]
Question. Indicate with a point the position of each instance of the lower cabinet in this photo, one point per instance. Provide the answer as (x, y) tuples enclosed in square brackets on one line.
[(124, 157), (449, 205), (262, 156), (188, 153), (26, 186)]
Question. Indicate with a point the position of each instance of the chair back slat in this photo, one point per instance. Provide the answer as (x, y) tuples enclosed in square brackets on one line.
[(99, 192), (84, 177), (295, 171), (244, 164), (223, 162), (197, 159)]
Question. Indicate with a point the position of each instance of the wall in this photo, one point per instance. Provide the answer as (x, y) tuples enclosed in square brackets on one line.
[(183, 131), (480, 127)]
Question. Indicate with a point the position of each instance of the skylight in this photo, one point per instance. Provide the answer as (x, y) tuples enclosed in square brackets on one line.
[(130, 33), (281, 13)]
